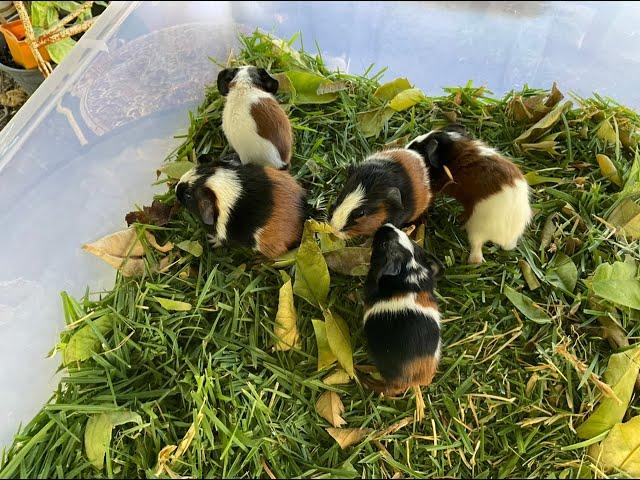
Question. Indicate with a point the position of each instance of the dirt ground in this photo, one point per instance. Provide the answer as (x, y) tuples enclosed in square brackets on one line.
[(12, 98)]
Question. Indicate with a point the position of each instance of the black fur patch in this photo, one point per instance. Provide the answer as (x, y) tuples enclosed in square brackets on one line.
[(225, 77), (261, 79), (395, 338)]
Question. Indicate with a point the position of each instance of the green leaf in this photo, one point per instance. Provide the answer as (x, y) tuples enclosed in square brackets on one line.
[(389, 90), (43, 15), (621, 449), (173, 305), (339, 340), (175, 170), (626, 218), (373, 121), (621, 374), (191, 246), (562, 272), (59, 50), (617, 283), (312, 275), (286, 330), (608, 169), (97, 433), (305, 87), (85, 342), (527, 306), (349, 260), (533, 178), (407, 99), (544, 124), (326, 358)]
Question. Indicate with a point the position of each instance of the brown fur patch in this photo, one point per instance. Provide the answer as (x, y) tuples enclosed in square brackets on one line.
[(418, 372), (368, 224), (426, 300), (475, 176), (283, 230), (419, 175), (273, 124)]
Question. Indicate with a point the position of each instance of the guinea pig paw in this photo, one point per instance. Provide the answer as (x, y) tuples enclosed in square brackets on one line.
[(476, 258)]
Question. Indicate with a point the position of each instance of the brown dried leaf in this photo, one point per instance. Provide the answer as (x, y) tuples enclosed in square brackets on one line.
[(349, 260), (330, 407), (158, 214), (345, 437), (286, 330)]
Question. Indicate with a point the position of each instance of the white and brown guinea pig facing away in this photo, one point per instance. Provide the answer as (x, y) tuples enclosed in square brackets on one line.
[(391, 186), (252, 120), (247, 205), (492, 190), (401, 317)]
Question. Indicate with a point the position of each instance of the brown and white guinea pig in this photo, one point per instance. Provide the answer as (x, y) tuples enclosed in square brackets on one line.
[(401, 317), (492, 190), (390, 186), (252, 120), (247, 205)]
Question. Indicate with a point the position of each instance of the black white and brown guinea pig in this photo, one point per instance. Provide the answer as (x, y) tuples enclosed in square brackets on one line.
[(492, 190), (247, 205), (401, 317), (252, 120), (390, 186)]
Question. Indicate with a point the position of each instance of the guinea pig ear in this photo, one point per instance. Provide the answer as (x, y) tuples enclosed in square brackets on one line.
[(225, 77), (395, 197), (435, 265), (267, 82), (431, 153), (391, 268), (207, 206)]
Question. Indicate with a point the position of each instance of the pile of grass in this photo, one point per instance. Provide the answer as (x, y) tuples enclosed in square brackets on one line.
[(504, 402)]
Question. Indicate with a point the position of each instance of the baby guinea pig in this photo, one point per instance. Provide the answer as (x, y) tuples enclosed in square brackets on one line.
[(391, 186), (246, 205), (252, 120), (492, 190), (401, 318)]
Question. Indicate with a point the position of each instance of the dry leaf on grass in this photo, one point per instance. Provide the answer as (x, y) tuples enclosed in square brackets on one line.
[(326, 358), (345, 437), (608, 169), (158, 214), (339, 377), (339, 340), (621, 449), (286, 330), (330, 407)]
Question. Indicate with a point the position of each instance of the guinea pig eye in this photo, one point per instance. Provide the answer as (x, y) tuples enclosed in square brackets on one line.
[(359, 213)]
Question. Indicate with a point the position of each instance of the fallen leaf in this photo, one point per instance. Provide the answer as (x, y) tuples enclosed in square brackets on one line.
[(528, 274), (330, 407), (406, 99), (548, 230), (554, 97), (621, 449), (158, 214), (329, 242), (608, 169), (562, 272), (339, 340), (535, 107), (176, 170), (326, 358), (286, 330), (332, 87), (13, 98), (420, 235), (284, 84), (546, 144), (527, 306), (400, 142), (533, 178), (305, 87), (371, 122), (84, 342), (173, 305), (188, 437), (191, 246), (626, 218), (339, 377), (617, 283), (318, 227), (620, 375), (349, 260), (632, 183), (286, 260), (544, 124), (606, 132), (312, 274), (97, 433), (389, 90), (345, 437)]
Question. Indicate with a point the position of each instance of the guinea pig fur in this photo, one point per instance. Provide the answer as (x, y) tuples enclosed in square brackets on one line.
[(252, 120), (401, 317), (247, 205), (391, 186), (492, 190)]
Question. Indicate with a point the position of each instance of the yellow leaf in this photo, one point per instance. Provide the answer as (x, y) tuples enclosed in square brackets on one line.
[(326, 358), (98, 432), (345, 437), (606, 132), (406, 99), (286, 330), (339, 377), (339, 340), (626, 218), (372, 122), (544, 124), (349, 260), (312, 274), (608, 169), (319, 227), (420, 235), (173, 305), (330, 407), (389, 90), (621, 449)]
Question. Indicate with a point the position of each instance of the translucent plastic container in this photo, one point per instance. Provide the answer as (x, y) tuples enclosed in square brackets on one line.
[(84, 149)]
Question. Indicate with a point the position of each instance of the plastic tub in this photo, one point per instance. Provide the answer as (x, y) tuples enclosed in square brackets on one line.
[(84, 148)]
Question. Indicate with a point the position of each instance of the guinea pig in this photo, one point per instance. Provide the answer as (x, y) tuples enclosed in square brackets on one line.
[(401, 317), (247, 205), (252, 120), (390, 186), (491, 189)]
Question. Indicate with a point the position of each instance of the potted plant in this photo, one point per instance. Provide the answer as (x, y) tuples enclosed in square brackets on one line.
[(34, 40)]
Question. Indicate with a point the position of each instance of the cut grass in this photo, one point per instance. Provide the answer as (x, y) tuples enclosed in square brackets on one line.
[(504, 403)]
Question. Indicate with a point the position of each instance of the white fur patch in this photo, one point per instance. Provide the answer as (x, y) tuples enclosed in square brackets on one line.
[(484, 150), (239, 126), (352, 201), (502, 217), (227, 188), (455, 136), (403, 304), (189, 177), (419, 139)]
